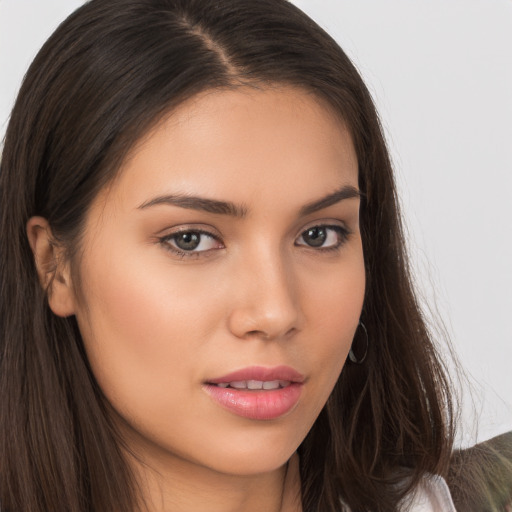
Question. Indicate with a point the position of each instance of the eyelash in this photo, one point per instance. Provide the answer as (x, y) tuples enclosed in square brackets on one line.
[(166, 242), (341, 232)]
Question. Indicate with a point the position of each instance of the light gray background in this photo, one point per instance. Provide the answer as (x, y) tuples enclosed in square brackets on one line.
[(441, 74)]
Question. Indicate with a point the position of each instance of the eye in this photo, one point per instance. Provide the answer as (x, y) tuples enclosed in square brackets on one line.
[(323, 237), (191, 242)]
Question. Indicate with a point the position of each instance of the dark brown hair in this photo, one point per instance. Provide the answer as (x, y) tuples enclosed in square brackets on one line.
[(107, 74)]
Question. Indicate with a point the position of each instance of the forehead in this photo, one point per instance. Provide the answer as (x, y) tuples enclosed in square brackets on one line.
[(252, 143)]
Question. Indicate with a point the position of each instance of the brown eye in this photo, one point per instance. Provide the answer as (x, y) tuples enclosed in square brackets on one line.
[(323, 237), (191, 242), (187, 241), (315, 237)]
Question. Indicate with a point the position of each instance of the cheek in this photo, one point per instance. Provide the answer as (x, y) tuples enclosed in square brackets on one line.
[(140, 300), (333, 306), (335, 298), (142, 329)]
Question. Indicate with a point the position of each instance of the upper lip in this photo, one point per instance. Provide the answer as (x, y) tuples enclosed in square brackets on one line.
[(261, 373)]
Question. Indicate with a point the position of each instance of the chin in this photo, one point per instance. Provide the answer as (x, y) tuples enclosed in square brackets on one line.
[(260, 447), (252, 463)]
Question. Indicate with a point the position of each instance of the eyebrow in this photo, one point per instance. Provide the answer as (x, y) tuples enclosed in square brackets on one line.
[(346, 192), (228, 208), (198, 203)]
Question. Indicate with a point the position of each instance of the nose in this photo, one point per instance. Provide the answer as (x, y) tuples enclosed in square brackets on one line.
[(266, 302)]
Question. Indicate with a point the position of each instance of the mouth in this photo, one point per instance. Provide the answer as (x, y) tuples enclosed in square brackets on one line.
[(254, 385), (257, 393), (259, 377)]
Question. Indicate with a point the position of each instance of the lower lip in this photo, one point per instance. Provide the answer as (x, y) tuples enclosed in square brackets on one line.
[(257, 405)]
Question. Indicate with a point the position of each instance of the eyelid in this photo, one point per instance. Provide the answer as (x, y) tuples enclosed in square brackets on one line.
[(196, 228), (165, 240), (342, 231), (326, 223)]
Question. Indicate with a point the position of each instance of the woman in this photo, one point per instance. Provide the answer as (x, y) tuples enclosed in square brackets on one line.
[(206, 302)]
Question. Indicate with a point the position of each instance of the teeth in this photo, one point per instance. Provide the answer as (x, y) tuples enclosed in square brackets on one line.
[(255, 384), (241, 384)]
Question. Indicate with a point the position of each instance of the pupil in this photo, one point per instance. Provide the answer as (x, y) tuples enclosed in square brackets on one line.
[(315, 237), (187, 241)]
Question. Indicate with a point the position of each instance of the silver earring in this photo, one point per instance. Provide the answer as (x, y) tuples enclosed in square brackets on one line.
[(358, 355)]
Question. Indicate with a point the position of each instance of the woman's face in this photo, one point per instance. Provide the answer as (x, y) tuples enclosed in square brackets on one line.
[(226, 256)]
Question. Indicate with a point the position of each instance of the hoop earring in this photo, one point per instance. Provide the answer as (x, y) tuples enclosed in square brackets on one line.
[(362, 350)]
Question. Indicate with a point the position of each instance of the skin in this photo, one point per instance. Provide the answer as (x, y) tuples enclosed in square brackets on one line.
[(156, 324)]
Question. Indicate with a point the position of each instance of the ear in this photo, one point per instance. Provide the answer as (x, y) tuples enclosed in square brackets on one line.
[(52, 267)]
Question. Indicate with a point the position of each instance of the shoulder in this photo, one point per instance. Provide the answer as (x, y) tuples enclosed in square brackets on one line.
[(480, 477), (431, 495)]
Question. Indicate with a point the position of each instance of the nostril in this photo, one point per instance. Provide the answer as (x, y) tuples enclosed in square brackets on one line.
[(267, 336), (257, 334)]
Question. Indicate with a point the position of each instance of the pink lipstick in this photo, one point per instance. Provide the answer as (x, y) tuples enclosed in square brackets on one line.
[(257, 392)]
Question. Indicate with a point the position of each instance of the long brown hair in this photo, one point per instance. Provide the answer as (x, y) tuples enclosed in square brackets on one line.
[(107, 74)]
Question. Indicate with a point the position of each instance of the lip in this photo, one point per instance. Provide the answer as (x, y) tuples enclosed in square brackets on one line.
[(258, 404), (261, 373)]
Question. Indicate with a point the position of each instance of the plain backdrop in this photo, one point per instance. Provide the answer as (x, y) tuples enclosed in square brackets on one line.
[(440, 72)]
